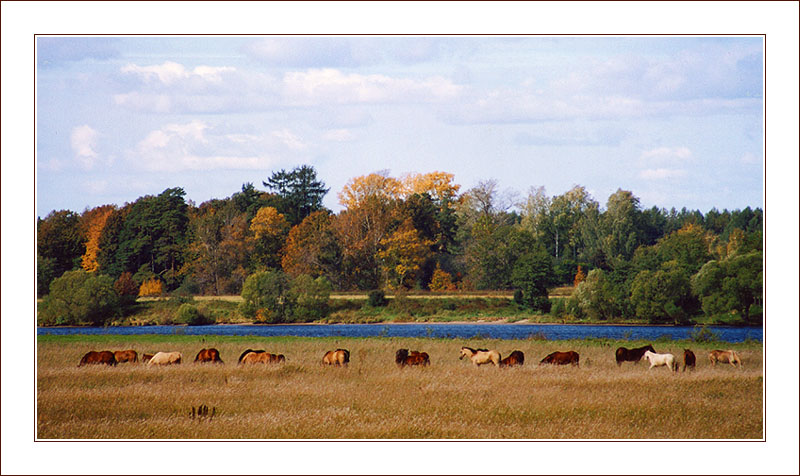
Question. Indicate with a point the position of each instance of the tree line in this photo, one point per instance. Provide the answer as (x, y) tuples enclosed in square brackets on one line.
[(420, 231)]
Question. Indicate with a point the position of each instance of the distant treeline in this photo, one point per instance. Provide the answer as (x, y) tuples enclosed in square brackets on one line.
[(420, 232)]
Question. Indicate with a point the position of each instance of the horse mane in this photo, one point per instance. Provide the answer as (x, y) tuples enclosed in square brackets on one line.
[(469, 349)]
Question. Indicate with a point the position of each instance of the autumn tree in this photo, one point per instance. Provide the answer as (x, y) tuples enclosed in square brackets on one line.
[(579, 277), (312, 248), (373, 189), (441, 280), (402, 254), (269, 228), (92, 223)]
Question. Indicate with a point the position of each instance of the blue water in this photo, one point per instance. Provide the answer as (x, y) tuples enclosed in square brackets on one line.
[(460, 331)]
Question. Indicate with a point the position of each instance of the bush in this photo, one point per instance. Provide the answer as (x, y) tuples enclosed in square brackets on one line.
[(703, 334), (266, 297), (189, 314), (377, 298), (127, 289), (151, 287), (518, 297), (558, 308), (311, 297), (78, 297)]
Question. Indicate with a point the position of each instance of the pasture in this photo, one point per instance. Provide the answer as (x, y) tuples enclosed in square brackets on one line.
[(373, 398)]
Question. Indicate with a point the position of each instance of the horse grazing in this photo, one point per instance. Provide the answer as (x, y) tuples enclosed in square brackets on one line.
[(146, 358), (125, 356), (261, 357), (208, 355), (338, 357), (480, 356), (657, 360), (689, 359), (166, 358), (562, 358), (632, 355), (722, 355), (516, 358), (402, 358), (104, 357)]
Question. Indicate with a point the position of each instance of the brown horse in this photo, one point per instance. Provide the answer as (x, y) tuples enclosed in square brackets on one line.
[(146, 358), (689, 359), (722, 355), (338, 357), (562, 358), (403, 358), (515, 358), (632, 355), (104, 357), (125, 356), (208, 355), (261, 357)]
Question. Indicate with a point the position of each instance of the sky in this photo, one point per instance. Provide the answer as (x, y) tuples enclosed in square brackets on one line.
[(676, 120)]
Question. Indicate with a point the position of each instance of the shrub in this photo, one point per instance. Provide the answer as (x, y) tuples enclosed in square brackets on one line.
[(377, 298), (518, 297), (189, 314), (266, 297), (151, 287), (127, 288), (441, 280), (311, 297), (703, 334), (78, 297), (558, 307)]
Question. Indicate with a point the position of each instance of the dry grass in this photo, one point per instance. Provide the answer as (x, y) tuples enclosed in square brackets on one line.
[(372, 398)]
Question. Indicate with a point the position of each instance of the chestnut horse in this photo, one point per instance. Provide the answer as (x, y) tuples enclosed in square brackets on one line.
[(562, 358), (208, 355), (516, 358), (402, 358), (125, 356), (104, 357), (480, 356), (146, 358), (689, 359), (722, 355), (338, 357), (632, 355), (261, 357)]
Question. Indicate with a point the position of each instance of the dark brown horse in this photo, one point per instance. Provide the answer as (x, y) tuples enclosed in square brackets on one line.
[(403, 358), (633, 355), (146, 358), (338, 357), (125, 356), (689, 359), (515, 358), (105, 357), (562, 358), (208, 355)]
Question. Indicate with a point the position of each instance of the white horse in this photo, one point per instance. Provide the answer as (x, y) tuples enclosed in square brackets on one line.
[(165, 358), (657, 360), (480, 356)]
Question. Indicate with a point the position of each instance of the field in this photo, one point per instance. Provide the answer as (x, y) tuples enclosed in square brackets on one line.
[(374, 399)]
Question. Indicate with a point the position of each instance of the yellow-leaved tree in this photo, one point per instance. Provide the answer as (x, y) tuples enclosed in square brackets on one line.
[(92, 224), (441, 280), (378, 187), (402, 254), (438, 185), (270, 230)]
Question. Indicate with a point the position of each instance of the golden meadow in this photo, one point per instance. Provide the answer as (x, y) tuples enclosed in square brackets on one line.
[(373, 398)]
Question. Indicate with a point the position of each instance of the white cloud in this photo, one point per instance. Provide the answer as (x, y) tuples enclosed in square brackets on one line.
[(83, 140), (667, 154), (339, 135), (662, 174), (170, 72), (198, 146)]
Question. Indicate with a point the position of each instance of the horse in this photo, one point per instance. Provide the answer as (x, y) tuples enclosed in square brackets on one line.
[(125, 356), (721, 355), (338, 357), (104, 357), (402, 358), (261, 357), (632, 355), (657, 360), (166, 358), (146, 358), (480, 356), (689, 359), (515, 358), (562, 358), (208, 355)]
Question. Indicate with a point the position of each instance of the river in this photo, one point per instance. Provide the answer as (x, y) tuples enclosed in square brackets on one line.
[(430, 330)]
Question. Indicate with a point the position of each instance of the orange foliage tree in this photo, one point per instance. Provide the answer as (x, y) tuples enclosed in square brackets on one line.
[(311, 248), (579, 276), (270, 229), (92, 224), (151, 287), (376, 186), (441, 280), (402, 254)]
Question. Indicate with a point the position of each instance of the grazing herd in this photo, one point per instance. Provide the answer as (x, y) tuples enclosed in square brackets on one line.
[(404, 358)]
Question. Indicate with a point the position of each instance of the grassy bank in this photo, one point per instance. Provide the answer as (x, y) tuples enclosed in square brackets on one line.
[(372, 398)]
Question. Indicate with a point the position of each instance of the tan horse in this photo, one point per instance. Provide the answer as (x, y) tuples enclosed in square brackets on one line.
[(262, 357), (722, 355), (166, 358), (480, 356), (338, 357)]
